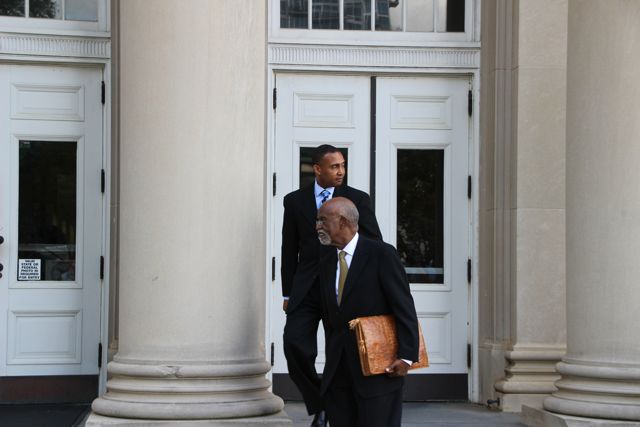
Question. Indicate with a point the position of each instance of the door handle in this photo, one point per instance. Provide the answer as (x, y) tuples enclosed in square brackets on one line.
[(1, 267), (1, 240)]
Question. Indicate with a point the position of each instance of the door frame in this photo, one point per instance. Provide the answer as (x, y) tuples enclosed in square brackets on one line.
[(473, 73), (103, 64)]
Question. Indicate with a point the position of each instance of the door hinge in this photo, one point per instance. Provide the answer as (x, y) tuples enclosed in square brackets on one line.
[(274, 184), (273, 268), (102, 181), (275, 98), (469, 187), (468, 356), (102, 93), (100, 355), (101, 267), (470, 105), (469, 270), (272, 353)]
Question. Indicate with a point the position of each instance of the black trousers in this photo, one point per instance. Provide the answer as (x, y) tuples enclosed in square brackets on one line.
[(301, 348), (345, 408)]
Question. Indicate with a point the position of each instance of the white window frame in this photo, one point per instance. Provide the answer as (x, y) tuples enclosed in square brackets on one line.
[(371, 37), (21, 24)]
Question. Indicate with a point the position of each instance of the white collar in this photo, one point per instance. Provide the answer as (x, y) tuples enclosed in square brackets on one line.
[(350, 248), (317, 189)]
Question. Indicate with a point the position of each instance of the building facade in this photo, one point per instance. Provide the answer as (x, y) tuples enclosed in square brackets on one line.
[(146, 148)]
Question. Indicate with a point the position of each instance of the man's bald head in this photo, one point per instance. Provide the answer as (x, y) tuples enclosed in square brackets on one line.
[(337, 222)]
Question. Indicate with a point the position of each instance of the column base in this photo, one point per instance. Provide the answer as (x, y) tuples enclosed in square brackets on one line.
[(536, 417), (529, 376), (596, 391), (281, 419), (224, 391)]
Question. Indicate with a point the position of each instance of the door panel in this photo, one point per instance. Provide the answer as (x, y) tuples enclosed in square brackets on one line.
[(421, 168), (51, 219), (314, 110)]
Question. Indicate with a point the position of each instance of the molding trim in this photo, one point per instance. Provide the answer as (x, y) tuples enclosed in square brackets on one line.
[(53, 46), (371, 56)]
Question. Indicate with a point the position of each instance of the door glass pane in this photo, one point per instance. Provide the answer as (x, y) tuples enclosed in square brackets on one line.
[(306, 166), (294, 13), (455, 16), (81, 10), (357, 15), (419, 15), (326, 15), (45, 9), (388, 15), (450, 16), (12, 7), (47, 210), (420, 214)]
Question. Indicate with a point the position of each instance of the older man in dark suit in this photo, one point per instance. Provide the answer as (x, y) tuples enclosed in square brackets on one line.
[(301, 252), (361, 278)]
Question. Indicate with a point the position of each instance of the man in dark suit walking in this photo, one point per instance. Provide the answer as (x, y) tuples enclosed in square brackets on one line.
[(361, 278), (301, 252)]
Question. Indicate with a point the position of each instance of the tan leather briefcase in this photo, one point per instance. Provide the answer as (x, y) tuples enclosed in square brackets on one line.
[(378, 344)]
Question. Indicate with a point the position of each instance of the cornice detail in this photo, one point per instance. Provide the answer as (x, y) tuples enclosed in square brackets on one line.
[(55, 46), (371, 56)]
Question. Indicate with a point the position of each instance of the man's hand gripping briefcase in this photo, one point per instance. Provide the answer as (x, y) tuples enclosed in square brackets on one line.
[(378, 344)]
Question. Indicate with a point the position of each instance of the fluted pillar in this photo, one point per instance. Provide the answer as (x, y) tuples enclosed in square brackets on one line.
[(601, 371), (192, 230)]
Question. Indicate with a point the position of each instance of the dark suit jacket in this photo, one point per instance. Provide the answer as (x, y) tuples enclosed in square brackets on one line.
[(301, 249), (376, 284)]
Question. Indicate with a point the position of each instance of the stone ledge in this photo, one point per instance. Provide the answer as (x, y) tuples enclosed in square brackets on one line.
[(535, 417), (281, 419)]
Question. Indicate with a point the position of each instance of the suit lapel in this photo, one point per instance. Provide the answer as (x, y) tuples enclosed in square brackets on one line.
[(358, 262)]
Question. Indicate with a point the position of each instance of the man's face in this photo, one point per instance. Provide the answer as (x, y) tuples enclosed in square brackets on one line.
[(331, 170), (328, 226)]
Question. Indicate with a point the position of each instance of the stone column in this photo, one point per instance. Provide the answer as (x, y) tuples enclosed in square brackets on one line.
[(522, 277), (192, 229), (601, 371)]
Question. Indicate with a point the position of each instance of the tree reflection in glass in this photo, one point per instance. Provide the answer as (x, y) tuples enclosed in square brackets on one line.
[(420, 214)]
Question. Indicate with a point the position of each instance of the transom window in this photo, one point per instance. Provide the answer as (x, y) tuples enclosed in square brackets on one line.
[(440, 16), (78, 17), (70, 10)]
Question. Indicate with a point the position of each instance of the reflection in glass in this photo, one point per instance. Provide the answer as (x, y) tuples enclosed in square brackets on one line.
[(357, 14), (455, 16), (294, 13), (306, 166), (47, 207), (45, 9), (326, 14), (12, 8), (81, 10), (419, 15), (420, 214), (388, 15)]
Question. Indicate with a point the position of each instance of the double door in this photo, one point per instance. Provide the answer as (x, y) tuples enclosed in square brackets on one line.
[(51, 209), (406, 143)]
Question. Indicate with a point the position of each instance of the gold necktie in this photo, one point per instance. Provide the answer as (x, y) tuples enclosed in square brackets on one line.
[(343, 274)]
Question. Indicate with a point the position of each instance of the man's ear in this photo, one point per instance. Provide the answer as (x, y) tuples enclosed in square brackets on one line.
[(316, 169)]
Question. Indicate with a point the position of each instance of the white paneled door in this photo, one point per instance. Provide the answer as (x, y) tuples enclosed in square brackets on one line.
[(421, 170), (422, 204), (50, 219), (314, 110)]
